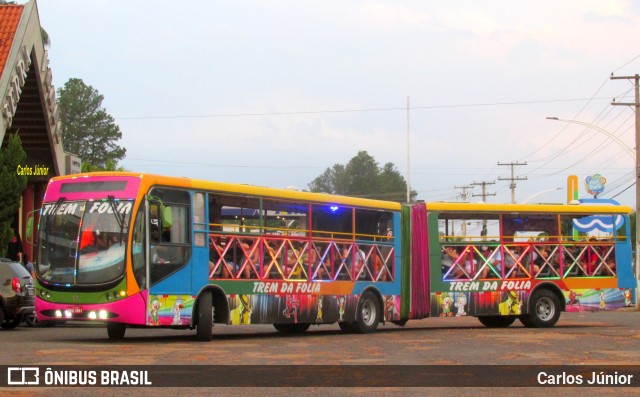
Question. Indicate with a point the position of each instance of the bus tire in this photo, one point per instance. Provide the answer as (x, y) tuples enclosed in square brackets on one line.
[(205, 317), (497, 321), (116, 330), (288, 328), (544, 310), (367, 313), (400, 323)]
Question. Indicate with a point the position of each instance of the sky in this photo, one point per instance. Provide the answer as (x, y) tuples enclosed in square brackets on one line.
[(271, 93)]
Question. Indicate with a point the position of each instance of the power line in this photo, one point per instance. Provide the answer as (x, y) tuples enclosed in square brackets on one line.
[(627, 188), (291, 113), (188, 163)]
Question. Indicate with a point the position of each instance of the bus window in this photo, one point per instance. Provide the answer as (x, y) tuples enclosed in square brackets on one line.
[(138, 251), (199, 223), (470, 227), (285, 218), (234, 214), (530, 227), (588, 244), (169, 242), (374, 225), (332, 221)]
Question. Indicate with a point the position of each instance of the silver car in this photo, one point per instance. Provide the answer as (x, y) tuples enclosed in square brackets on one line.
[(17, 293)]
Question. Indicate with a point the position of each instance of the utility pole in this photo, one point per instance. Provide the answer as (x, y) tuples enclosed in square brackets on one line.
[(484, 190), (408, 157), (484, 195), (464, 193), (513, 179), (636, 105)]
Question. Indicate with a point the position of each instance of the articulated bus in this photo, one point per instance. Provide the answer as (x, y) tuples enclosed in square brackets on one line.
[(141, 250)]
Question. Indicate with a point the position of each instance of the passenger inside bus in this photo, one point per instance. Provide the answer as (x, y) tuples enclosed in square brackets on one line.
[(234, 258), (458, 259), (485, 252), (216, 249), (545, 266), (293, 267), (158, 253), (609, 269), (508, 262), (590, 258)]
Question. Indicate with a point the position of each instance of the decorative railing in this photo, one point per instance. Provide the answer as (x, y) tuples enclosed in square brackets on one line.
[(298, 258), (528, 260)]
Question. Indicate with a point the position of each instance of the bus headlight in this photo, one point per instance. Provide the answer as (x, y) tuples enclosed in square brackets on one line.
[(58, 313), (92, 315), (103, 314)]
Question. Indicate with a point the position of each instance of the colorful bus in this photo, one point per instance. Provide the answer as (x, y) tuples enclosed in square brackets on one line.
[(141, 250)]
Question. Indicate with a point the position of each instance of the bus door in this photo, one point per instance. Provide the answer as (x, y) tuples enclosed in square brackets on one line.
[(169, 241), (200, 230), (623, 257)]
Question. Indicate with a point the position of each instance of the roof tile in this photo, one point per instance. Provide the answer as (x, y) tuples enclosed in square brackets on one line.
[(9, 20)]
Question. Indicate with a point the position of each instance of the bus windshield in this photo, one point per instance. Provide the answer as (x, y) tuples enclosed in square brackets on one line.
[(83, 242)]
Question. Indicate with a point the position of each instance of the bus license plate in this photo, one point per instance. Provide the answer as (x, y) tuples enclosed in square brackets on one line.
[(75, 309)]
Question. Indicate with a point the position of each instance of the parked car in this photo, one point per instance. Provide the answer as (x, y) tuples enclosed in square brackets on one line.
[(17, 293)]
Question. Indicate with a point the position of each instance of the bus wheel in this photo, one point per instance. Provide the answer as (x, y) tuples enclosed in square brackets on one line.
[(292, 328), (205, 317), (544, 310), (497, 321), (367, 314), (116, 330)]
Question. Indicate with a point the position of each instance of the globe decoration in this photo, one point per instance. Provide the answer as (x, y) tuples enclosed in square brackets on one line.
[(595, 184)]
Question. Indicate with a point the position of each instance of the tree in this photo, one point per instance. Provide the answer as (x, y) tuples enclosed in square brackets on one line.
[(87, 129), (362, 177), (110, 165), (12, 185), (46, 41)]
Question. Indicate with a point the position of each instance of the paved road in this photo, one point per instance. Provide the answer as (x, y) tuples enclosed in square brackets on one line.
[(611, 338)]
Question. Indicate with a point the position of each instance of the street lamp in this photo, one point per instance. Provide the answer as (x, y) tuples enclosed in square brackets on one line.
[(614, 138), (636, 156), (540, 194)]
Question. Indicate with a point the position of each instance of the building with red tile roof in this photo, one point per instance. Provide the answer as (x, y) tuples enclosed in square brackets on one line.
[(9, 19), (28, 105)]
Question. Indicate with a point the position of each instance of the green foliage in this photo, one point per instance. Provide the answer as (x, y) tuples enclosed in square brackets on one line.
[(46, 41), (110, 165), (11, 187), (87, 129), (361, 177)]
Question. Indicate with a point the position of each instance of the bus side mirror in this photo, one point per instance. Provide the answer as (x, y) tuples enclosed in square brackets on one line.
[(167, 216), (29, 228)]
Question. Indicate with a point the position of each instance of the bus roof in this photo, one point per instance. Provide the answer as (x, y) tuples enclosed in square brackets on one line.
[(234, 188), (529, 208)]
